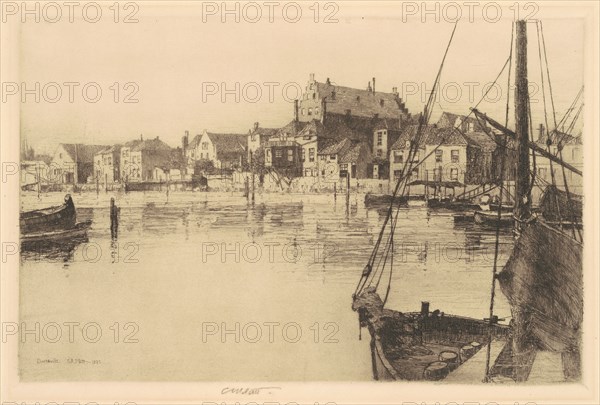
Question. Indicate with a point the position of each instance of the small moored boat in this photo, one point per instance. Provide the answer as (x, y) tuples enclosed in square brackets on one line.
[(49, 219), (491, 218), (75, 232)]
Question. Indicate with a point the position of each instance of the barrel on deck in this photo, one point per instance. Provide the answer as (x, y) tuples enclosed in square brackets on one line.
[(438, 370), (449, 357)]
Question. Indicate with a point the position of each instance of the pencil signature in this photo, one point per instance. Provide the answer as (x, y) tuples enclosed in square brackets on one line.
[(247, 390)]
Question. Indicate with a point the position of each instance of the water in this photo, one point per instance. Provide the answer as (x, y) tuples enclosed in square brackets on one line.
[(188, 266)]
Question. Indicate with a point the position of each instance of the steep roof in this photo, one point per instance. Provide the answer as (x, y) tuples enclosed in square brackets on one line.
[(149, 145), (352, 154), (80, 152), (292, 128), (480, 140), (451, 120), (410, 133), (445, 136), (365, 103), (111, 149), (337, 148), (228, 142)]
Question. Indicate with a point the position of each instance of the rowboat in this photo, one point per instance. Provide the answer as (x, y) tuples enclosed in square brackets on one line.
[(49, 219), (491, 218), (75, 232), (424, 345)]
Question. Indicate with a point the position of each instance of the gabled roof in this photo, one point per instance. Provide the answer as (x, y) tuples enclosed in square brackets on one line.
[(352, 154), (410, 133), (365, 103), (228, 142), (266, 132), (111, 149), (80, 152), (292, 128), (445, 136), (150, 145), (451, 118), (480, 140), (337, 148)]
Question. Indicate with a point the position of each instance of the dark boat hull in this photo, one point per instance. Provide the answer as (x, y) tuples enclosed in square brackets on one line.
[(49, 219), (453, 205), (543, 281), (58, 236), (384, 199)]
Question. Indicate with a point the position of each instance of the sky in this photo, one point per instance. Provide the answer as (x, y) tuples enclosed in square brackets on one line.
[(179, 57)]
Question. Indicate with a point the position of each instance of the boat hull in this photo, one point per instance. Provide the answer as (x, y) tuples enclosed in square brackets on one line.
[(58, 236), (49, 219), (490, 218), (543, 281)]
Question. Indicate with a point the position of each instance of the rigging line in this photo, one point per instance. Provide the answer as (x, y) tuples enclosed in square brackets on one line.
[(467, 116), (537, 25), (497, 242), (389, 286), (563, 120), (569, 198), (427, 114)]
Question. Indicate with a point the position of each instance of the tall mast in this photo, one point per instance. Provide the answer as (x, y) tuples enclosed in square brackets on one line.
[(522, 209)]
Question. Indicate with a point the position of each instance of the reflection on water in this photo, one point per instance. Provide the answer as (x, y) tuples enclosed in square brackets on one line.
[(188, 258)]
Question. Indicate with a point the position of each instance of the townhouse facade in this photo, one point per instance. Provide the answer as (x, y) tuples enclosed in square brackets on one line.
[(74, 163), (139, 158), (106, 164)]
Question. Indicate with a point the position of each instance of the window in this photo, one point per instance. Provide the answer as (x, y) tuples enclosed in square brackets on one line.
[(344, 167), (204, 145), (416, 157), (415, 174), (438, 156), (375, 171), (397, 174), (278, 153), (253, 137), (379, 152), (110, 160), (454, 155), (379, 138), (307, 172), (290, 155), (311, 154), (398, 157), (453, 174), (268, 152), (437, 174), (316, 110), (310, 111), (303, 155), (331, 157), (304, 111), (542, 172)]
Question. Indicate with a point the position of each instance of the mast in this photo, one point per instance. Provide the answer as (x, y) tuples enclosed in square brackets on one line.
[(522, 209)]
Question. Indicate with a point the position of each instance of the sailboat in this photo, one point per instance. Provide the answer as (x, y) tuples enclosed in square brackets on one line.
[(543, 277), (542, 281)]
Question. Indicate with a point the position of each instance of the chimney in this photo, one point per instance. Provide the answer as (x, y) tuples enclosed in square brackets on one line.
[(141, 137), (328, 82), (369, 87), (256, 126), (296, 110), (425, 309), (323, 109), (373, 85), (312, 77), (395, 90), (157, 138), (541, 133)]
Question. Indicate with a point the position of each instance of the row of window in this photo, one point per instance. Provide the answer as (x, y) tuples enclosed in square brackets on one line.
[(310, 111), (436, 174)]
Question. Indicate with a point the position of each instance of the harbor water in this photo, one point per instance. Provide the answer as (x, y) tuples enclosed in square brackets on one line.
[(203, 286)]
